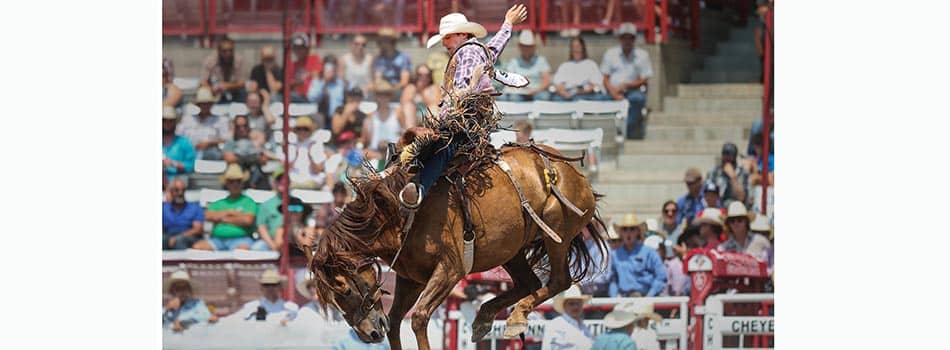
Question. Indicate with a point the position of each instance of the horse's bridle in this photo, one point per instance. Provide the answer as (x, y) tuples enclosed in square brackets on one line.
[(370, 296)]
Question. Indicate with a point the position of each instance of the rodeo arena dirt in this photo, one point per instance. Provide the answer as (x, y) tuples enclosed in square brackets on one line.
[(393, 174)]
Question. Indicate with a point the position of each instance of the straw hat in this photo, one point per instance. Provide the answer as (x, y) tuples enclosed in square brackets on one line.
[(626, 28), (526, 38), (387, 32), (305, 122), (234, 172), (168, 113), (381, 86), (271, 276), (456, 23), (574, 292), (630, 220), (761, 224), (620, 317), (710, 216), (737, 209), (179, 276), (204, 95)]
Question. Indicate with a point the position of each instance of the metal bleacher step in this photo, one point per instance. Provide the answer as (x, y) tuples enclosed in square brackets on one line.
[(681, 104)]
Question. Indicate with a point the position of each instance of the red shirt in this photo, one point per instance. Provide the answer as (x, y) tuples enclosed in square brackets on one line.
[(313, 65)]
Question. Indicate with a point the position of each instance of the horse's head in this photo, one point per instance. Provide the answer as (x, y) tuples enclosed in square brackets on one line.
[(356, 291)]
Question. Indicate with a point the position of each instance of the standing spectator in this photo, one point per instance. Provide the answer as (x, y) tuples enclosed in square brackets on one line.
[(357, 64), (669, 227), (348, 117), (732, 180), (579, 78), (205, 131), (266, 77), (242, 151), (643, 335), (626, 69), (233, 216), (171, 94), (691, 203), (306, 288), (384, 125), (422, 94), (327, 91), (711, 196), (391, 65), (223, 72), (272, 284), (637, 270), (710, 227), (570, 8), (182, 222), (599, 283), (183, 309), (619, 323), (531, 66), (304, 67), (568, 331), (741, 240), (178, 155), (307, 156), (258, 114), (523, 133)]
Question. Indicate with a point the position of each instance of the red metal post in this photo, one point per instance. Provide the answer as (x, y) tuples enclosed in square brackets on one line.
[(651, 22), (451, 327), (543, 21), (766, 108), (664, 19), (285, 247), (694, 23), (212, 21)]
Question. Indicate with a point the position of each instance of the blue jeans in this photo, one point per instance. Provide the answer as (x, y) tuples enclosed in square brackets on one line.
[(594, 96), (229, 243), (260, 246), (637, 100), (181, 241), (432, 167)]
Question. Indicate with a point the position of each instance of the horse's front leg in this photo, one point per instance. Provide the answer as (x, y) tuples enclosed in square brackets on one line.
[(405, 295), (436, 290)]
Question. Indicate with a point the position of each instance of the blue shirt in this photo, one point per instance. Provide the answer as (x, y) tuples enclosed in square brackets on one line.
[(638, 270), (616, 339), (601, 278), (180, 150), (351, 341), (689, 207), (334, 93), (191, 312), (175, 222), (391, 68)]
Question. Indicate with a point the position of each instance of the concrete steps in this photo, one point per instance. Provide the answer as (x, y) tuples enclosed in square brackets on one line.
[(666, 147), (719, 90), (702, 119), (665, 162), (680, 104), (697, 133), (725, 76)]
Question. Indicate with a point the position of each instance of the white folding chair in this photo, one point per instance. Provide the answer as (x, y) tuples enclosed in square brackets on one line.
[(367, 107), (191, 109), (270, 166), (223, 110), (302, 109), (237, 109), (208, 195), (515, 111), (186, 84), (501, 137), (277, 109), (210, 166), (556, 115), (192, 195), (312, 197), (259, 196), (607, 116)]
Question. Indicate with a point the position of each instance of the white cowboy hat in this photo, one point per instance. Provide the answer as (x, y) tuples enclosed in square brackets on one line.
[(709, 216), (179, 276), (642, 310), (526, 38), (574, 292), (204, 95), (761, 224), (653, 241), (621, 316), (168, 112), (271, 276), (456, 23), (737, 209), (626, 28)]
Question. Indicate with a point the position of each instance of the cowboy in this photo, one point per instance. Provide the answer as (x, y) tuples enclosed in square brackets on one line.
[(272, 283), (643, 335), (740, 239), (183, 309), (233, 216), (620, 323), (458, 36), (568, 331), (637, 270)]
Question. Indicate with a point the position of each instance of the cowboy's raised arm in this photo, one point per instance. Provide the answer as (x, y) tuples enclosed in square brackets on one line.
[(516, 14)]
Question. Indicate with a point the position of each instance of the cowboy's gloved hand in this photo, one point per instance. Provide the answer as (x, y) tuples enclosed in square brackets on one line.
[(516, 14), (406, 154)]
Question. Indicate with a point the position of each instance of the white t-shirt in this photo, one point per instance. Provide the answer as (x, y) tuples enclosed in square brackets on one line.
[(575, 74), (563, 333), (645, 339)]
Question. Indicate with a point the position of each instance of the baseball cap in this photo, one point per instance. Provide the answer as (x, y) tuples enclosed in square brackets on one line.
[(730, 149), (692, 174), (710, 187), (300, 40)]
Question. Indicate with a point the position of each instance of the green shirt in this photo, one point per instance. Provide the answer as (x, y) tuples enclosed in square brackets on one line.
[(616, 339), (242, 204), (269, 215)]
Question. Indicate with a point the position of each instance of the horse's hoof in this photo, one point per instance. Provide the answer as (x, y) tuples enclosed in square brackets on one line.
[(480, 330), (513, 329)]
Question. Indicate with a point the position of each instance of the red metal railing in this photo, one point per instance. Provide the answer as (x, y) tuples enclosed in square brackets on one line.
[(182, 17), (347, 17), (490, 14), (767, 98), (257, 16)]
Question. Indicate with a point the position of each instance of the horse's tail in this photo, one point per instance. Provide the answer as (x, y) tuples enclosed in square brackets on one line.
[(579, 258)]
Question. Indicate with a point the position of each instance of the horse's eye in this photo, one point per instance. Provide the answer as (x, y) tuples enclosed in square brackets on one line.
[(346, 292)]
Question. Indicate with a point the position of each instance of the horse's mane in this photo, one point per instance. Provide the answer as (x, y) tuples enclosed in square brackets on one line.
[(346, 243)]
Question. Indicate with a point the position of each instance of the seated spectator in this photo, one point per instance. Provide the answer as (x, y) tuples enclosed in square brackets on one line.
[(761, 226), (669, 227), (691, 203), (183, 309), (327, 90), (357, 64), (711, 197), (710, 227), (675, 277), (531, 66), (306, 288), (182, 222), (391, 65), (266, 77), (346, 155), (307, 157), (644, 335), (233, 216), (207, 132), (384, 125), (420, 95), (626, 70), (258, 114), (349, 117), (304, 67), (732, 180), (171, 94), (242, 151), (178, 155), (579, 78), (270, 217), (437, 61), (741, 240), (619, 325), (352, 342), (568, 331), (523, 133), (340, 198), (223, 72), (272, 284), (637, 271)]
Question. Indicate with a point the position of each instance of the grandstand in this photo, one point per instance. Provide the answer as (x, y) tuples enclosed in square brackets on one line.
[(705, 91)]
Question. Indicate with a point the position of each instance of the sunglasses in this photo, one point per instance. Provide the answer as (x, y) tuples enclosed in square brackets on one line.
[(359, 44), (671, 211), (233, 181)]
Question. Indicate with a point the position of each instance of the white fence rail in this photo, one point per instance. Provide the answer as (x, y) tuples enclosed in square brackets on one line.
[(718, 325)]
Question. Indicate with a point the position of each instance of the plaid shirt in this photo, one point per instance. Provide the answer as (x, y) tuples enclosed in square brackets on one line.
[(470, 56), (727, 194)]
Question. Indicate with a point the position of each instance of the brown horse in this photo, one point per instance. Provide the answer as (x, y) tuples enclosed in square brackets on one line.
[(429, 263)]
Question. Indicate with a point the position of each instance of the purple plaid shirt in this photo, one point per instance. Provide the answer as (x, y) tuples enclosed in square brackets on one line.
[(470, 56)]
